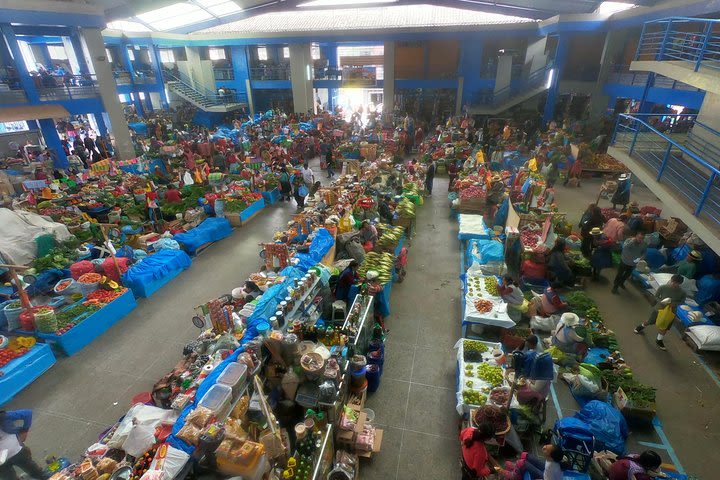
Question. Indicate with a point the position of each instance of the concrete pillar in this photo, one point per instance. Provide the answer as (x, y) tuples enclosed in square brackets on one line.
[(561, 54), (709, 114), (301, 68), (40, 51), (52, 141), (389, 82), (504, 72), (615, 41), (124, 149), (22, 69)]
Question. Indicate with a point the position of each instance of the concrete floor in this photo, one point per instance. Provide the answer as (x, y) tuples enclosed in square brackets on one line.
[(82, 395)]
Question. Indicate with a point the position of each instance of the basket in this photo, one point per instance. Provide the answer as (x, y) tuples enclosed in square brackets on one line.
[(72, 287)]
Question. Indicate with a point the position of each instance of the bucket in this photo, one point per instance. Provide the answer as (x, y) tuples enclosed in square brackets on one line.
[(376, 344), (357, 378), (263, 328), (357, 363), (12, 315), (376, 358), (374, 372)]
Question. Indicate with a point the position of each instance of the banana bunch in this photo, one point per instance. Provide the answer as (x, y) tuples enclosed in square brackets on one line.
[(391, 237), (383, 263), (406, 208), (411, 188)]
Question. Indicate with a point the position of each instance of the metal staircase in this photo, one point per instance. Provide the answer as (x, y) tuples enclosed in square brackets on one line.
[(492, 103), (202, 98)]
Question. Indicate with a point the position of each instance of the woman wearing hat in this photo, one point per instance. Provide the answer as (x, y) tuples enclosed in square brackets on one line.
[(688, 267), (592, 218), (622, 193), (567, 339)]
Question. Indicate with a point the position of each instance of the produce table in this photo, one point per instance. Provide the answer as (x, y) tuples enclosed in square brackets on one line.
[(155, 271), (22, 371), (478, 384), (210, 230), (92, 327), (252, 210), (272, 196), (498, 316), (683, 314), (473, 226)]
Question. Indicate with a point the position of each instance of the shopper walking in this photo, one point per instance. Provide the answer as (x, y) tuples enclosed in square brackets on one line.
[(14, 428), (430, 176), (329, 163), (285, 186), (669, 297), (632, 252), (308, 176), (592, 218)]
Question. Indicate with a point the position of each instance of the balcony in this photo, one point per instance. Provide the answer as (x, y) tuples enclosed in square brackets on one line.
[(11, 92), (69, 87), (623, 75), (270, 72), (677, 158), (224, 73)]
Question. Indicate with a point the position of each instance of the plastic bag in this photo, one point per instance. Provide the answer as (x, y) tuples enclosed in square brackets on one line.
[(665, 317), (607, 425), (169, 460), (187, 179), (139, 440), (545, 324)]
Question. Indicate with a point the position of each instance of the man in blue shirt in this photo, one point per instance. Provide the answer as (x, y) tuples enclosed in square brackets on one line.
[(14, 427)]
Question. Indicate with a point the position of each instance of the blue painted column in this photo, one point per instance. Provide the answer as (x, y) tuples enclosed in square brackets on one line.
[(25, 80), (126, 62), (561, 54), (79, 52), (330, 52), (645, 106), (159, 78), (241, 70), (469, 71), (52, 141), (138, 103), (47, 61), (102, 126)]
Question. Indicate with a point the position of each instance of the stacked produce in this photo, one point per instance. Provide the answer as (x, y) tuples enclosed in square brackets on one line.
[(383, 263), (14, 348), (473, 350), (406, 208), (391, 237), (472, 193)]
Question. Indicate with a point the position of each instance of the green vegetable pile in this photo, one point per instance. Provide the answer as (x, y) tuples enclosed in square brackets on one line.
[(639, 394), (581, 303), (490, 373), (59, 257), (72, 315)]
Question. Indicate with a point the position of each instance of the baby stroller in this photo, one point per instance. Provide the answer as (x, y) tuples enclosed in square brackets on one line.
[(578, 445)]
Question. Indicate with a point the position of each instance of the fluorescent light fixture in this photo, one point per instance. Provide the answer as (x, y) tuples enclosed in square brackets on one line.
[(308, 72), (551, 75), (341, 3), (608, 8)]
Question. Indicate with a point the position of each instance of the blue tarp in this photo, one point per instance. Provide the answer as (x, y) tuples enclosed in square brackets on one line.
[(321, 244), (210, 230), (139, 127), (46, 280), (146, 276), (604, 421), (487, 251)]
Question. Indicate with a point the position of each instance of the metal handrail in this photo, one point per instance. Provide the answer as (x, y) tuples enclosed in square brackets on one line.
[(505, 93), (66, 87), (685, 170), (210, 98), (270, 72), (700, 48)]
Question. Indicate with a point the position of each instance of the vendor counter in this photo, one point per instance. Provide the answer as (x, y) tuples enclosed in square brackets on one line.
[(272, 196), (82, 334), (22, 371)]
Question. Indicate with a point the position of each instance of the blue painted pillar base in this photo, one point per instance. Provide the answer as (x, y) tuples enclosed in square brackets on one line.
[(561, 54), (332, 96), (102, 126), (52, 141), (138, 104)]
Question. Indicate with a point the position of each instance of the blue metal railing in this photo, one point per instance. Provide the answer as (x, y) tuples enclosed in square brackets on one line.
[(623, 75), (207, 97), (534, 80), (692, 40), (693, 177)]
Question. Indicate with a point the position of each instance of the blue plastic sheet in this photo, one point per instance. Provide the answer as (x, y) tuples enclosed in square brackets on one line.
[(502, 213), (210, 230), (139, 127), (487, 251), (45, 281), (605, 422), (146, 277), (596, 355), (321, 244)]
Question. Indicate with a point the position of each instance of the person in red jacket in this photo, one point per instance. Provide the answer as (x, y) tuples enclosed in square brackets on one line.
[(475, 455), (636, 467)]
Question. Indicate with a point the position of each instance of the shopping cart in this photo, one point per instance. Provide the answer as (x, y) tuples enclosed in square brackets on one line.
[(577, 443)]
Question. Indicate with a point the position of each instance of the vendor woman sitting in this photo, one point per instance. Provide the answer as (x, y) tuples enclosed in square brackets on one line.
[(513, 296), (567, 339), (368, 235), (474, 454), (549, 302)]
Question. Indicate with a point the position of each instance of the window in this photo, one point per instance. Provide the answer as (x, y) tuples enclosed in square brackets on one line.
[(57, 52), (608, 8), (10, 127), (109, 56), (315, 51), (131, 54), (262, 54), (216, 53), (286, 52), (174, 16), (167, 55)]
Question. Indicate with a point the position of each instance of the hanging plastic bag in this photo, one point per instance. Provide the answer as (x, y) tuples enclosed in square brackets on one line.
[(665, 317)]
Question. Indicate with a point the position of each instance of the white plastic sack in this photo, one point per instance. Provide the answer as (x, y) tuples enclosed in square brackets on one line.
[(20, 229), (544, 324), (140, 414), (707, 335), (169, 460), (140, 439), (187, 179)]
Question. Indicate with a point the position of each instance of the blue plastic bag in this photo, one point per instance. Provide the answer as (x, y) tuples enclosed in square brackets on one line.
[(607, 425)]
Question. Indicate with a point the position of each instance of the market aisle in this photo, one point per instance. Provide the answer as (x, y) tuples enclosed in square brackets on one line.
[(687, 396), (414, 404), (84, 394)]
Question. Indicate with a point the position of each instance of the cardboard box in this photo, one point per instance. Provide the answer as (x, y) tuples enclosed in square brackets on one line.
[(377, 445)]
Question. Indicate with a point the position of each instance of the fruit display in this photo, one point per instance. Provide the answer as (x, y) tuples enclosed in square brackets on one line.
[(529, 238), (406, 208), (14, 348), (491, 286), (142, 464), (472, 193), (500, 395), (493, 415), (483, 306), (383, 263), (104, 296), (7, 355), (491, 374), (473, 397), (473, 350), (391, 237)]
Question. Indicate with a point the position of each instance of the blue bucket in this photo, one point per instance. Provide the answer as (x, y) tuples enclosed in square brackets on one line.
[(376, 344), (376, 358), (374, 372)]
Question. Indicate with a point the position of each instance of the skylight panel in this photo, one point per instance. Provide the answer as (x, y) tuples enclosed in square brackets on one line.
[(224, 8), (127, 26), (608, 8)]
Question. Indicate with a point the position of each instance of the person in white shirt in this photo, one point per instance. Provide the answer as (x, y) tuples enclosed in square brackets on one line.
[(308, 176), (547, 468), (14, 427)]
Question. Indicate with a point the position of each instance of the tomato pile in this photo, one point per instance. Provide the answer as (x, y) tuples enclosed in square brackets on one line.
[(472, 193), (7, 355), (529, 238), (103, 296), (483, 306), (90, 278)]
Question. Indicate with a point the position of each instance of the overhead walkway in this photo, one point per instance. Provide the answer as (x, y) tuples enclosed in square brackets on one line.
[(683, 49), (680, 168), (493, 103)]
